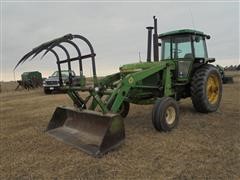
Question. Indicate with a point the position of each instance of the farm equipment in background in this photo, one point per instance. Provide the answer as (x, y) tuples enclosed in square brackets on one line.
[(225, 79), (95, 123), (51, 84), (30, 80)]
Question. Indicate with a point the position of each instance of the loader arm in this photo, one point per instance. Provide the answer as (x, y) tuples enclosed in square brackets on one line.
[(121, 92)]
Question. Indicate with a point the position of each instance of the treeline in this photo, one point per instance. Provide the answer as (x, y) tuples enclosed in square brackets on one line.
[(232, 68)]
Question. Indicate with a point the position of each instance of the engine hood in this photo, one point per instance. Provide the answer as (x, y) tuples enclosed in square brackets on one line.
[(134, 67)]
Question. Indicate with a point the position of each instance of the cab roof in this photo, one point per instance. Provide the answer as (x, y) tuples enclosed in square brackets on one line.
[(182, 31)]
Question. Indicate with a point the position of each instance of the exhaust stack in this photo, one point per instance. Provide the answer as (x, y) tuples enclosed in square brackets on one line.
[(149, 45)]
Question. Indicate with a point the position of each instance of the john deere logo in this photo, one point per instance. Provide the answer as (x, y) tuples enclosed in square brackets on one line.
[(130, 80)]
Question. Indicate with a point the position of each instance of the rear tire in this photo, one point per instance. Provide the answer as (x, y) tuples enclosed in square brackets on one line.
[(165, 115), (206, 89)]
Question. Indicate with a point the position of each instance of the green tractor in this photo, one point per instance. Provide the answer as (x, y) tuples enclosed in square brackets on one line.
[(95, 123)]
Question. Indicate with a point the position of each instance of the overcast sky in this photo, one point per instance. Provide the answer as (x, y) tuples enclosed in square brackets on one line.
[(116, 30)]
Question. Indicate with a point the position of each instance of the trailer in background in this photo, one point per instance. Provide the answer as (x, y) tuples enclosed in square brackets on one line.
[(30, 80)]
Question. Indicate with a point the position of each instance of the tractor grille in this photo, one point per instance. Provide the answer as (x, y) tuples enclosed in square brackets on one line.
[(183, 68), (52, 82)]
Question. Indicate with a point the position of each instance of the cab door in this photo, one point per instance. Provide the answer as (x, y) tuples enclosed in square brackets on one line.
[(182, 54)]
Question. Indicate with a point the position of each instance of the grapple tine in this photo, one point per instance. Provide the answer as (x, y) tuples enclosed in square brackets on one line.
[(49, 48), (26, 56), (35, 51), (53, 52), (44, 54), (64, 49), (57, 45)]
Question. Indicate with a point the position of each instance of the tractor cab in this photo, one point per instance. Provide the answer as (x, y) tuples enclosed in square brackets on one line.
[(186, 47), (184, 44)]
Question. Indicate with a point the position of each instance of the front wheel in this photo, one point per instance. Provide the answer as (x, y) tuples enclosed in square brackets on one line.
[(165, 115), (124, 109)]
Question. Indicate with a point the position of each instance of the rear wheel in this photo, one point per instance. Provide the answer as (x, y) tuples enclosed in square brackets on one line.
[(165, 114), (206, 89)]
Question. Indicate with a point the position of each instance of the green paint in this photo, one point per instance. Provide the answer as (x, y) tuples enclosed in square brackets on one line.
[(82, 81), (143, 82)]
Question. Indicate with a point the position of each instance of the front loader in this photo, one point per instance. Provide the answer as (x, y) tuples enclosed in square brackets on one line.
[(95, 122)]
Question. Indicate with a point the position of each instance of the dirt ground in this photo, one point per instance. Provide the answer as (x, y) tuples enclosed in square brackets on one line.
[(204, 146)]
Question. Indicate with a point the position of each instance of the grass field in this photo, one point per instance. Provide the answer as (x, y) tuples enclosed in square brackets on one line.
[(204, 146)]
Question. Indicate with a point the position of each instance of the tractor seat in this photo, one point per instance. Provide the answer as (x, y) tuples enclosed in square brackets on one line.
[(188, 56)]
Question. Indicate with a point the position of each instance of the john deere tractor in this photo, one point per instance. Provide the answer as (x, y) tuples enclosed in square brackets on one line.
[(95, 123)]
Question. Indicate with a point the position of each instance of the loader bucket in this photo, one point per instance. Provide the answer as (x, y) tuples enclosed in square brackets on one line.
[(89, 131)]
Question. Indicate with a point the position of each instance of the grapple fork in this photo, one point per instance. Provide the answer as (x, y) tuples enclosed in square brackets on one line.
[(93, 132)]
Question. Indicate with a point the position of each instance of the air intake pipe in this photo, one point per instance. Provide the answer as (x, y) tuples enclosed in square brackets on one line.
[(155, 41)]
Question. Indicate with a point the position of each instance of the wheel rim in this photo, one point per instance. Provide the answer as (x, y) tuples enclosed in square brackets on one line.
[(170, 115), (212, 89)]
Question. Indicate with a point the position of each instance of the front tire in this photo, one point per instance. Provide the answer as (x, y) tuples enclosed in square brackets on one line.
[(124, 109), (165, 115), (206, 89)]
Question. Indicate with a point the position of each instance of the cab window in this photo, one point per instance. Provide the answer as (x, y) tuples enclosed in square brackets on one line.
[(166, 48), (182, 48), (199, 47)]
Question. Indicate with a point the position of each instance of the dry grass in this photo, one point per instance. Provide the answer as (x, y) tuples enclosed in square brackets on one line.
[(8, 86), (204, 146)]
